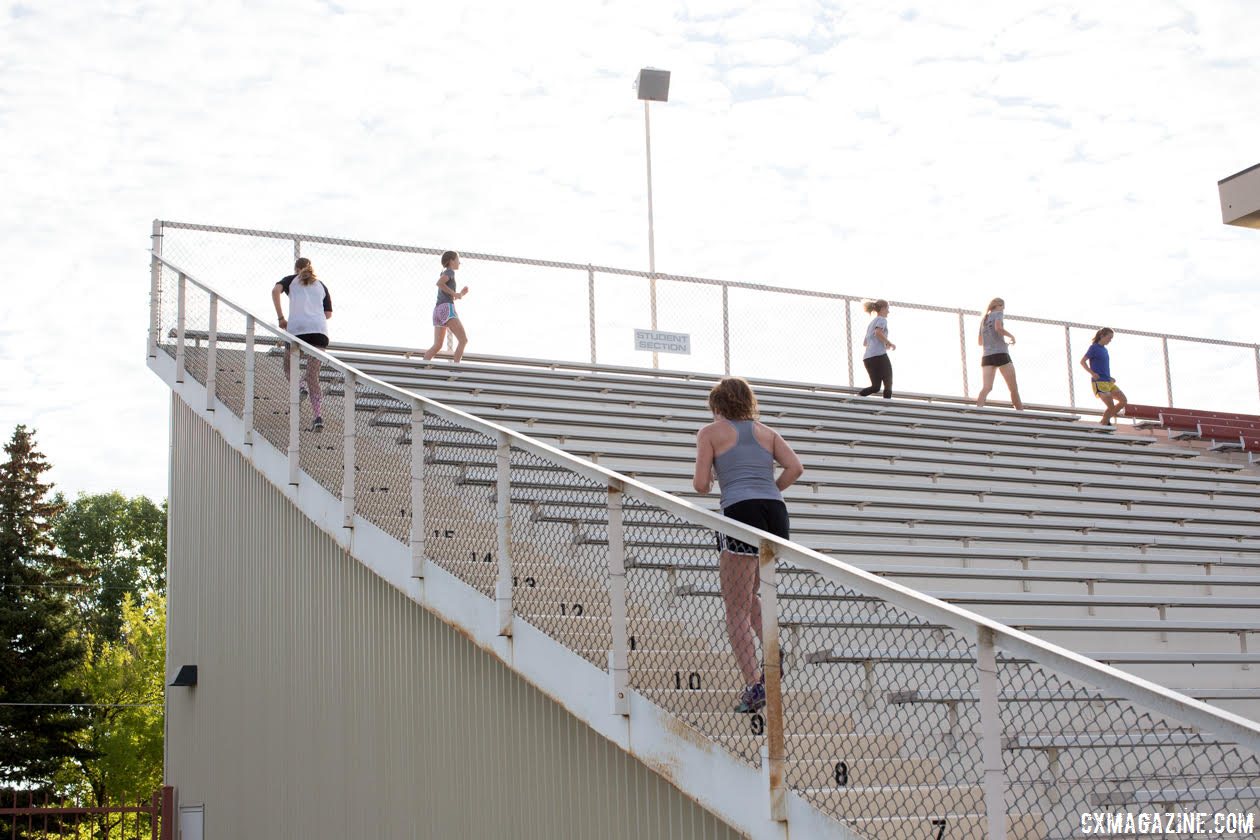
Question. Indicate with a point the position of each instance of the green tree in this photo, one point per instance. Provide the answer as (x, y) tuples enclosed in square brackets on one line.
[(39, 725), (119, 543), (121, 757)]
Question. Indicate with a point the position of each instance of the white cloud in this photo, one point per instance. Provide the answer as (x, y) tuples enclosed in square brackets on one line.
[(1063, 155)]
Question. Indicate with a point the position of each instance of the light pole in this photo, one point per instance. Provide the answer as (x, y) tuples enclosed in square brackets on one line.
[(653, 86)]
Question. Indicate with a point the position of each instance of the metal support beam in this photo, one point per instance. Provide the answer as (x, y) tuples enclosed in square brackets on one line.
[(502, 522), (962, 352), (212, 352), (991, 735), (1067, 346), (349, 435), (619, 655), (295, 412), (848, 336), (247, 410), (1167, 371), (726, 331), (772, 673), (155, 289), (181, 317), (419, 528)]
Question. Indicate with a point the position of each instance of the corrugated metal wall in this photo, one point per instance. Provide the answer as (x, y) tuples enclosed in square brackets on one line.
[(330, 705)]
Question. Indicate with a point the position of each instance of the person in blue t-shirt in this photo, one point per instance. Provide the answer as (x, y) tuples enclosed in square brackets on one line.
[(1097, 363)]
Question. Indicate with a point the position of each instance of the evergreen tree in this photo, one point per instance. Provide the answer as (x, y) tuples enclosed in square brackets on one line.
[(39, 647)]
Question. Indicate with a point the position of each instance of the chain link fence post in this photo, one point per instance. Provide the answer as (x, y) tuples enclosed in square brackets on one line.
[(848, 335), (247, 409), (1067, 344), (772, 673), (294, 355), (297, 249), (619, 654), (212, 352), (155, 289), (502, 521), (418, 526), (1167, 371), (962, 349), (348, 439), (181, 316), (991, 735), (590, 306), (726, 331)]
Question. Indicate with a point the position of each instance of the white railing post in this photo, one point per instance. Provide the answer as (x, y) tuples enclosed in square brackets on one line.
[(772, 674), (962, 350), (848, 335), (212, 352), (295, 411), (991, 735), (247, 411), (726, 331), (619, 654), (417, 490), (502, 521), (181, 316), (348, 437), (155, 290), (590, 306), (1067, 344), (1167, 371)]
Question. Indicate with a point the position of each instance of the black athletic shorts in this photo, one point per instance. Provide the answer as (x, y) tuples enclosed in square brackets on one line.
[(767, 514), (996, 360), (314, 339)]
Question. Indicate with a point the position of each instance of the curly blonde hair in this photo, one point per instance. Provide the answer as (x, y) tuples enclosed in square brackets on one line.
[(733, 398)]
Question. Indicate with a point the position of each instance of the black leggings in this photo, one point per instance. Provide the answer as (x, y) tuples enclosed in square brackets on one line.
[(880, 370)]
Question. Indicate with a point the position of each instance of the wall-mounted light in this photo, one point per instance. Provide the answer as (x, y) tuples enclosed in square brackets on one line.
[(187, 676)]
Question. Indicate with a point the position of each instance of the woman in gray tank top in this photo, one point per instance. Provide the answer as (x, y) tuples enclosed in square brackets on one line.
[(993, 338), (741, 453)]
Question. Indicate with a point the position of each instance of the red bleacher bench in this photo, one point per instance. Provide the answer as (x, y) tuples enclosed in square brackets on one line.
[(1251, 442), (1144, 412)]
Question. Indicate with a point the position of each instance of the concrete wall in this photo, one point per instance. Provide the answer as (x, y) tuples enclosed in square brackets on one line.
[(330, 705)]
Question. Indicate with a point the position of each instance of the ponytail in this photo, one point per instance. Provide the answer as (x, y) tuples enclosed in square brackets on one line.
[(1103, 333)]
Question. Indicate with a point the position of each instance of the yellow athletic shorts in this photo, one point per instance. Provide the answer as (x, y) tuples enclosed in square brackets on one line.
[(1101, 388)]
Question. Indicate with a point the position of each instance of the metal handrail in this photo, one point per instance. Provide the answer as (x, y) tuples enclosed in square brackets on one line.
[(684, 278), (1122, 685)]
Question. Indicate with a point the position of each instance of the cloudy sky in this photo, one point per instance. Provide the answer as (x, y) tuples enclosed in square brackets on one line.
[(1062, 154)]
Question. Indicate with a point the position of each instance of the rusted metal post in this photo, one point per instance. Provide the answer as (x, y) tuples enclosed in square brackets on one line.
[(168, 813), (502, 521), (619, 655), (772, 673)]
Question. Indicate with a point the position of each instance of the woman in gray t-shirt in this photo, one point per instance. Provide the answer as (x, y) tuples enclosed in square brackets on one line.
[(993, 338)]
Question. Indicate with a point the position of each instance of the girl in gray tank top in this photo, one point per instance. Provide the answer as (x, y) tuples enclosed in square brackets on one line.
[(744, 467), (993, 338)]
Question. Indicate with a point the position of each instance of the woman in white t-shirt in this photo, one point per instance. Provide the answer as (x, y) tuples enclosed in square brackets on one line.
[(994, 339), (310, 307), (878, 365)]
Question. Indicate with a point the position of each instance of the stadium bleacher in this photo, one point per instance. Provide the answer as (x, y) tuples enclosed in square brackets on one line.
[(1135, 552)]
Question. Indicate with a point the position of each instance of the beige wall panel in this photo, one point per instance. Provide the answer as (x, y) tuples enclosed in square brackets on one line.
[(330, 705)]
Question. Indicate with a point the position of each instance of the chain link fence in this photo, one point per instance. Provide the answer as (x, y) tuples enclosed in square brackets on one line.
[(383, 294), (896, 714)]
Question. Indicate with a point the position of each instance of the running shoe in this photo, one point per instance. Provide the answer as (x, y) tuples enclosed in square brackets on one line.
[(303, 393), (752, 699), (317, 425)]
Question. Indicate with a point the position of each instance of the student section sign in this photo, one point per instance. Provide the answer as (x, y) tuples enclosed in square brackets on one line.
[(656, 341)]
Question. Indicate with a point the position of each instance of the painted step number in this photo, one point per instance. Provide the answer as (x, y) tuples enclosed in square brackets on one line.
[(693, 681)]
